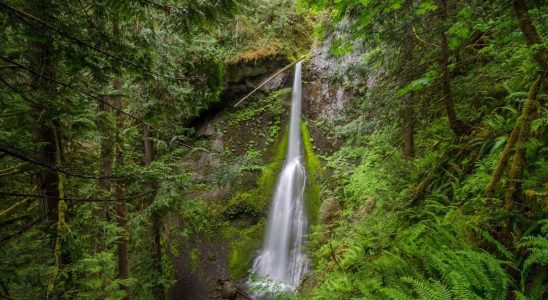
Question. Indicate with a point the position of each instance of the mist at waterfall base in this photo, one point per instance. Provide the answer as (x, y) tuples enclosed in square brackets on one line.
[(281, 262)]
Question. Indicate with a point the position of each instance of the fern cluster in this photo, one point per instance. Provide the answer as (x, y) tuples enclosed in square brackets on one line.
[(443, 246)]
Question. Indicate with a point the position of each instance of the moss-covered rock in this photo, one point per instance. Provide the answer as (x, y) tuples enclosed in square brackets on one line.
[(315, 172), (244, 240), (243, 210)]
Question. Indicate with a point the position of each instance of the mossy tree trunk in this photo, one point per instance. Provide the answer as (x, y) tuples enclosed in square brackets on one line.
[(121, 210), (532, 37), (156, 223), (530, 109), (408, 76), (458, 127), (41, 58), (523, 128), (62, 227), (518, 138), (503, 162)]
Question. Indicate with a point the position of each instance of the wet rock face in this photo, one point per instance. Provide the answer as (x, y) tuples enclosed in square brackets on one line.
[(205, 161), (243, 77), (228, 134), (243, 71), (324, 65), (328, 78), (198, 280), (323, 100), (228, 290), (330, 85)]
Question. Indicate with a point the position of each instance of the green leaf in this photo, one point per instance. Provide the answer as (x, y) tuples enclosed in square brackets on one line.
[(426, 7), (419, 83)]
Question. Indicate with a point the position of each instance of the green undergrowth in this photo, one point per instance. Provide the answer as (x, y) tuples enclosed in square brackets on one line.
[(273, 103), (377, 241)]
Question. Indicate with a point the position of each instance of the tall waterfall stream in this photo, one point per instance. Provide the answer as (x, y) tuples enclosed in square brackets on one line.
[(281, 262)]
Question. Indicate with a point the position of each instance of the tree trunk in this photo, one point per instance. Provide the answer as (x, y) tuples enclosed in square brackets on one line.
[(121, 218), (106, 143), (62, 227), (106, 153), (149, 151), (517, 136), (40, 58), (530, 108), (121, 213), (107, 138), (523, 126), (530, 32), (408, 76), (520, 135), (456, 125), (156, 226), (503, 162), (121, 210)]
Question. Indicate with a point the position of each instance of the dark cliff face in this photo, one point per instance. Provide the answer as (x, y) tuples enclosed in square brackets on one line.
[(238, 80)]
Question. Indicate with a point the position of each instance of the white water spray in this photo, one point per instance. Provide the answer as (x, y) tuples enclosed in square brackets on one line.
[(281, 260)]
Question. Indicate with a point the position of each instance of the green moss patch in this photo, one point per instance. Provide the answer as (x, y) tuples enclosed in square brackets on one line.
[(314, 172), (242, 244), (245, 240), (269, 174), (272, 103)]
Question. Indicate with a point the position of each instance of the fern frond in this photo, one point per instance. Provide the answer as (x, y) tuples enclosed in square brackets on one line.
[(442, 289), (394, 294), (520, 296), (426, 290), (498, 245), (537, 256), (460, 286)]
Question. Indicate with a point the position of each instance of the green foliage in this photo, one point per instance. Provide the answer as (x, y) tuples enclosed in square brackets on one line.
[(393, 228), (423, 228), (340, 48), (266, 28), (169, 60), (537, 256), (420, 83)]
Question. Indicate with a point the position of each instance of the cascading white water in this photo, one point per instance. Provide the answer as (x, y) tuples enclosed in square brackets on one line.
[(281, 260)]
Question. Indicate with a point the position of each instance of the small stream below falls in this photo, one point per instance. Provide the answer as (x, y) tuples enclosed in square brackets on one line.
[(281, 262)]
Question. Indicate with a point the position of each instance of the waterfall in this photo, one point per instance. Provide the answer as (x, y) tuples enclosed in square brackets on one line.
[(281, 260)]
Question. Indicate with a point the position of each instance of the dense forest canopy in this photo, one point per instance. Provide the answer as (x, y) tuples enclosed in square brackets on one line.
[(127, 171)]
